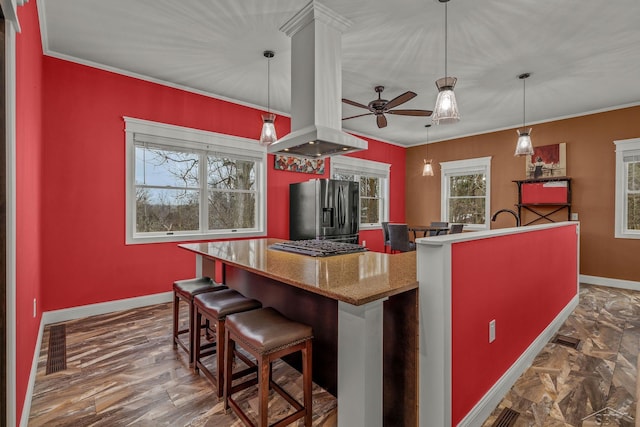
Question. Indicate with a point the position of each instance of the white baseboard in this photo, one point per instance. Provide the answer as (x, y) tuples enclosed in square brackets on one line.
[(26, 407), (78, 313), (72, 313), (612, 283), (483, 409)]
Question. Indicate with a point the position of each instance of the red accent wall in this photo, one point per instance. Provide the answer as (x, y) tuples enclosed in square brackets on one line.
[(84, 189), (523, 290), (29, 139)]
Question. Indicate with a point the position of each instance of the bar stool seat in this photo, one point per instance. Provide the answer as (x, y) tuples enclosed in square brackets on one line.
[(214, 307), (267, 335), (185, 290)]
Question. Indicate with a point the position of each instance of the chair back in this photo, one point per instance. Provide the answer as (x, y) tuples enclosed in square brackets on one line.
[(399, 238), (385, 233), (456, 228), (437, 224)]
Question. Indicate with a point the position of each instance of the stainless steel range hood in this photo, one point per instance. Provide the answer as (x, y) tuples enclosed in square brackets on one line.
[(316, 86)]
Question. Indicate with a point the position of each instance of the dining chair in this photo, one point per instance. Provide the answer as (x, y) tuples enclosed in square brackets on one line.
[(399, 238), (385, 235), (437, 224), (456, 228)]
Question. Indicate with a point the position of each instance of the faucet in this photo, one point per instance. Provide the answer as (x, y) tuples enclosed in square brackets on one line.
[(515, 215)]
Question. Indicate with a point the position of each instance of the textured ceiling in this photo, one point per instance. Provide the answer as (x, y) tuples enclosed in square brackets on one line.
[(584, 55)]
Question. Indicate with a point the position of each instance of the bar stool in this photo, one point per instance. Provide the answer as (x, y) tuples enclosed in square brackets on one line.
[(214, 307), (267, 335), (185, 290)]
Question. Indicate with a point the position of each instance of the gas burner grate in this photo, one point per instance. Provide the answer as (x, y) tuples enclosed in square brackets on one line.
[(318, 248)]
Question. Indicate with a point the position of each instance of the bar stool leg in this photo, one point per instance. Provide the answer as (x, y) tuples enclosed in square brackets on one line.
[(263, 390), (197, 337), (228, 368), (307, 386), (220, 356), (176, 301)]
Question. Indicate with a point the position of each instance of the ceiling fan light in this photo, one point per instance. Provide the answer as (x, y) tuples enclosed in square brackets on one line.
[(427, 170), (268, 135), (524, 146), (446, 110)]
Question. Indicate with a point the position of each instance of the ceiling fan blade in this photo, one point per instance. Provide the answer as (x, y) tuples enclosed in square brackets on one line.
[(354, 103), (381, 120), (401, 99), (359, 115), (423, 113)]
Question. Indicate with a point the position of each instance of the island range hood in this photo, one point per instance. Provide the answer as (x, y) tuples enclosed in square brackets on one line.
[(316, 86)]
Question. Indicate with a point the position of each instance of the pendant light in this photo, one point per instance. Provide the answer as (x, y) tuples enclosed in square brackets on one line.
[(427, 170), (446, 109), (524, 147), (268, 135)]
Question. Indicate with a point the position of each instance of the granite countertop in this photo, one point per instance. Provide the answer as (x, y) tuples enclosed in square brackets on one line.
[(356, 279)]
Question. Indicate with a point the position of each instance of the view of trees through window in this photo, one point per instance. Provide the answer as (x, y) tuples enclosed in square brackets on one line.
[(170, 195), (633, 195), (467, 198), (370, 195)]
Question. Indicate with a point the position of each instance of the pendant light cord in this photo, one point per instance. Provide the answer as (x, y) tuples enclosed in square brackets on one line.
[(524, 103), (268, 85), (445, 42)]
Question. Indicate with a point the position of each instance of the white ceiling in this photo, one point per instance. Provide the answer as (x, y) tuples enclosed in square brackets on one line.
[(584, 55)]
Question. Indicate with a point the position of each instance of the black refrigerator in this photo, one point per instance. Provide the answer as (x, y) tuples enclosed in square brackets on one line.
[(326, 209)]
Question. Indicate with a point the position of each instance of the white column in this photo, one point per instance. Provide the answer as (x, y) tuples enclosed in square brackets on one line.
[(360, 364)]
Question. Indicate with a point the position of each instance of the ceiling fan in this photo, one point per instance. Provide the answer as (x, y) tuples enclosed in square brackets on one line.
[(380, 107)]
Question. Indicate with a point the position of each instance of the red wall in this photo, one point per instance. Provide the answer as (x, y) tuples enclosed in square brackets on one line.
[(522, 290), (71, 184), (28, 194)]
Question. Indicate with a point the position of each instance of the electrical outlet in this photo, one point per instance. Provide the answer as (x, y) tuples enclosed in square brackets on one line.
[(34, 308), (492, 330), (574, 216)]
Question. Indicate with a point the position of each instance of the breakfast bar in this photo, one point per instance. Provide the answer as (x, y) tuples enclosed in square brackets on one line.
[(363, 308)]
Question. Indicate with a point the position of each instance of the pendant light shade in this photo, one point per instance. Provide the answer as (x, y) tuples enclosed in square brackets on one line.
[(446, 109), (427, 169), (268, 135), (524, 146)]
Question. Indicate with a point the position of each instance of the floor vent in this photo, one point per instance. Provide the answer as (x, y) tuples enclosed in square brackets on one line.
[(57, 354), (507, 418), (567, 341)]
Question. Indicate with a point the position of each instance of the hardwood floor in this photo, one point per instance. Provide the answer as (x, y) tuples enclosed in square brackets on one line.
[(123, 370)]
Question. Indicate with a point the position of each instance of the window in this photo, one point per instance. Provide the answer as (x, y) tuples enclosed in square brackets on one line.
[(627, 221), (374, 187), (466, 188), (186, 184)]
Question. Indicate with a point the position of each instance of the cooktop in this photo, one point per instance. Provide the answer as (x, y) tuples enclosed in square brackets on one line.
[(318, 248)]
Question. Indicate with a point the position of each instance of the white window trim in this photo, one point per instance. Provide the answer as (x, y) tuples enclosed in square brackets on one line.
[(465, 167), (236, 147), (622, 147), (367, 168)]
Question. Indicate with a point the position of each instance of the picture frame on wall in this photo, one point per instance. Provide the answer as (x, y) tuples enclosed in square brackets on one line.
[(547, 161), (299, 164)]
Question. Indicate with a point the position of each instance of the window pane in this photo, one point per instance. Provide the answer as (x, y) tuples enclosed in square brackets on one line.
[(467, 185), (164, 210), (231, 174), (369, 211), (229, 210), (166, 167), (467, 210), (633, 212), (633, 176), (369, 187), (344, 176)]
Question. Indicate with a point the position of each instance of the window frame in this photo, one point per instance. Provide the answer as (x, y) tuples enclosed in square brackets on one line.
[(623, 147), (205, 143), (465, 167), (368, 168)]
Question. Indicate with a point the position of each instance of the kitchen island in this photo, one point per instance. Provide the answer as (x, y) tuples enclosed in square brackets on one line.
[(363, 308)]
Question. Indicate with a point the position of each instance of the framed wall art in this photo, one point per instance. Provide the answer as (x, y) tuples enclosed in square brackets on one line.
[(299, 164), (547, 161)]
